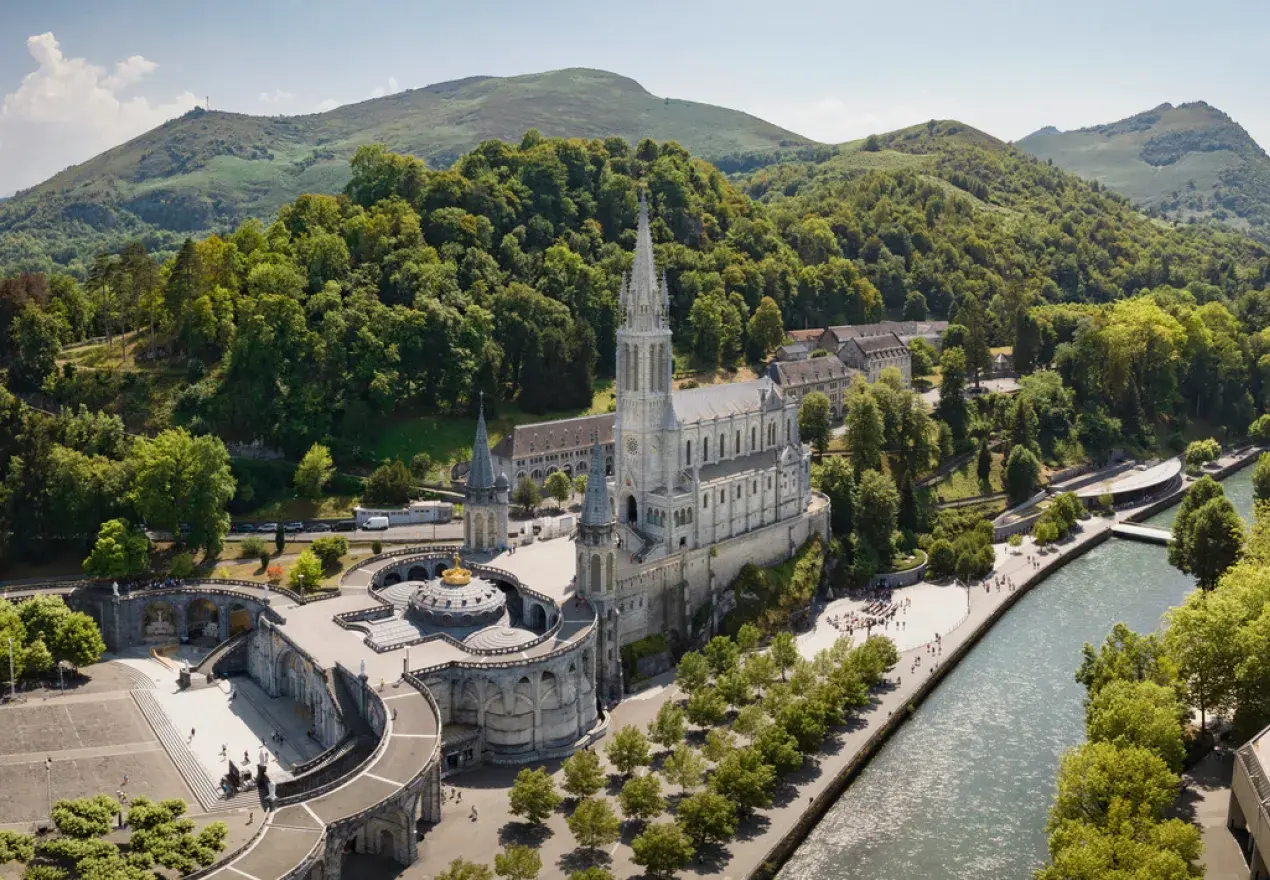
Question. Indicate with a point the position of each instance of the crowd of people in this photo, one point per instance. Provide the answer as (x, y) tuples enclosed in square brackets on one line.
[(880, 612)]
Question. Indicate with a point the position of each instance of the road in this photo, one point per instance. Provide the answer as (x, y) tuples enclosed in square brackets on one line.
[(419, 532)]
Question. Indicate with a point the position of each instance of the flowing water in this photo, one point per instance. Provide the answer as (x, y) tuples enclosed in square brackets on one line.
[(962, 790)]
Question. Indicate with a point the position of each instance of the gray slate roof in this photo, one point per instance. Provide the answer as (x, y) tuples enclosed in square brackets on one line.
[(715, 401), (732, 466), (880, 344), (821, 369), (556, 435), (481, 474), (595, 504)]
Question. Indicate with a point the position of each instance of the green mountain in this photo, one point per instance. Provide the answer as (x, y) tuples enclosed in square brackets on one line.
[(208, 171), (1190, 163)]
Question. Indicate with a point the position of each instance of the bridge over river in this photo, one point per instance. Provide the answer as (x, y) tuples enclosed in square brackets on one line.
[(963, 789), (1147, 534)]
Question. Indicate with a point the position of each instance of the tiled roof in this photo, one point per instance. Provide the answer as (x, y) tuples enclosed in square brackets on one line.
[(715, 401), (807, 336), (556, 435), (821, 369), (903, 329), (879, 344), (732, 466)]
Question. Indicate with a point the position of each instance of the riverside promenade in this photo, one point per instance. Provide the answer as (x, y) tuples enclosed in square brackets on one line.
[(765, 840)]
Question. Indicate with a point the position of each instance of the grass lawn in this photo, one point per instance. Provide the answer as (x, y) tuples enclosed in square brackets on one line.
[(250, 569), (448, 439), (905, 561), (964, 482), (288, 509), (64, 565)]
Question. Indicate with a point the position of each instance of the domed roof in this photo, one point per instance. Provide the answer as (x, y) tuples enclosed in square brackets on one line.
[(495, 637), (502, 482), (451, 601)]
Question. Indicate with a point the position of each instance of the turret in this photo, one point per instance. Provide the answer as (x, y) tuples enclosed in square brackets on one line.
[(485, 499)]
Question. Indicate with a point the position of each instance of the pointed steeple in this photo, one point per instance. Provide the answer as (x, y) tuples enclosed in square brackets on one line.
[(643, 294), (595, 504), (481, 474)]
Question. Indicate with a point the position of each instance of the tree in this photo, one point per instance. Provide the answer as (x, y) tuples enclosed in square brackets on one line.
[(314, 471), (722, 654), (814, 421), (1092, 777), (1202, 491), (748, 637), (952, 408), (179, 478), (421, 465), (42, 616), (983, 468), (582, 774), (16, 847), (279, 537), (663, 849), (579, 485), (1208, 541), (784, 651), (329, 549), (1138, 713), (627, 750), (864, 431), (766, 329), (1126, 656), (706, 707), (837, 481), (778, 748), (389, 484), (923, 357), (592, 873), (527, 495), (306, 572), (35, 344), (734, 688), (518, 862), (119, 551), (559, 486), (39, 659), (11, 627), (1202, 642), (594, 824), (78, 641), (1261, 477), (879, 497), (1022, 474), (719, 741), (641, 798), (750, 721), (669, 727), (692, 673), (1023, 425), (462, 869), (745, 779), (1201, 452), (684, 767), (707, 817), (760, 670), (160, 831), (915, 308), (533, 795), (86, 817)]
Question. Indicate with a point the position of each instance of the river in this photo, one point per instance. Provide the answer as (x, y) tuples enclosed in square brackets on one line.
[(963, 789)]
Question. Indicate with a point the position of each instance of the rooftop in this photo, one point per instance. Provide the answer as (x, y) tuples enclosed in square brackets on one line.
[(878, 344), (821, 369)]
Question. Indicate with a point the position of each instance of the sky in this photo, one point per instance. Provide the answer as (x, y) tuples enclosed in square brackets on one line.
[(78, 77)]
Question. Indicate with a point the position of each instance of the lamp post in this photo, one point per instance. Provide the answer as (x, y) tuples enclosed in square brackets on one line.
[(48, 782), (13, 673)]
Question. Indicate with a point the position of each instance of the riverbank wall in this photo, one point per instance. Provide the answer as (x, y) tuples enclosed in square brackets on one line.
[(820, 805)]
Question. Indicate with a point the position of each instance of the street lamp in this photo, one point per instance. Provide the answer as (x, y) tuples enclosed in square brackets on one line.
[(13, 673), (48, 782)]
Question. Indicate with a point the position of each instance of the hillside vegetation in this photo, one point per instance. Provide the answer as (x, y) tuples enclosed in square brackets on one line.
[(1190, 163), (209, 171)]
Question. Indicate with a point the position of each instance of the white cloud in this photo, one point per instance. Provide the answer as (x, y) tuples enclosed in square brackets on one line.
[(832, 119), (380, 91), (277, 96), (328, 104), (68, 110)]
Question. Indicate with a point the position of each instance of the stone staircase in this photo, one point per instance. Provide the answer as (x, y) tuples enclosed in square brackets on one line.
[(207, 665), (137, 677), (191, 770)]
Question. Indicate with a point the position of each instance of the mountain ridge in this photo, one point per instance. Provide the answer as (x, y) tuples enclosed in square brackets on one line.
[(1189, 162), (208, 170)]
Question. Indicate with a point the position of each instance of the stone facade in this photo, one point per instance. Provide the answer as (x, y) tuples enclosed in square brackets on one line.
[(828, 375), (873, 354), (536, 451)]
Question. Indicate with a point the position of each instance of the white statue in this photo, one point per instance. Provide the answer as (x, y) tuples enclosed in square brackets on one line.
[(185, 664), (363, 668), (115, 588)]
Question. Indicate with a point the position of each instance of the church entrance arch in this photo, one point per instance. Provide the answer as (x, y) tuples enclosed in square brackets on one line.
[(632, 509), (418, 573), (391, 578), (537, 618)]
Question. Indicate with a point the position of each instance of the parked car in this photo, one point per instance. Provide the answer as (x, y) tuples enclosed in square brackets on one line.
[(294, 527), (376, 524), (319, 527), (268, 527), (346, 525)]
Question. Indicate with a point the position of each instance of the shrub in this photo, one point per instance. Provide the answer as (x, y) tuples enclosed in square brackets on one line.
[(1015, 540), (329, 549), (274, 574), (252, 547), (1201, 452), (377, 547), (182, 565), (943, 560)]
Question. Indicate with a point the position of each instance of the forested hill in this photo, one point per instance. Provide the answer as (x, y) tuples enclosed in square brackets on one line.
[(945, 210), (1190, 162), (415, 289), (208, 171)]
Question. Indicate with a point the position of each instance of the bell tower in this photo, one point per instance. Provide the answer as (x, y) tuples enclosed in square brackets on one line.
[(486, 498), (596, 549), (644, 366)]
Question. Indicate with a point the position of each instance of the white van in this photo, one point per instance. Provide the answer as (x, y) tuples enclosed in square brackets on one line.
[(376, 524)]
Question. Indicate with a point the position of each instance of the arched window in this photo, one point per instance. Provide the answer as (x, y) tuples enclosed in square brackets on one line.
[(705, 501), (753, 438), (736, 446), (688, 452), (705, 449), (787, 430), (723, 446)]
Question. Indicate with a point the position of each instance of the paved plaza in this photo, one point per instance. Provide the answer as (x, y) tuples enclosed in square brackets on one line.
[(924, 611)]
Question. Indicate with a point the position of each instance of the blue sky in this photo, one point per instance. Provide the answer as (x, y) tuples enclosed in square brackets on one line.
[(78, 77)]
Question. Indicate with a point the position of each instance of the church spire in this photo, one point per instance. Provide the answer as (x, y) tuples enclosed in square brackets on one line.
[(595, 504), (643, 295), (481, 473)]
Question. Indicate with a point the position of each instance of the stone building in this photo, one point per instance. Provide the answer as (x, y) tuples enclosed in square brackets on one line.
[(486, 498), (827, 375), (832, 339), (873, 354), (794, 351), (536, 451)]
